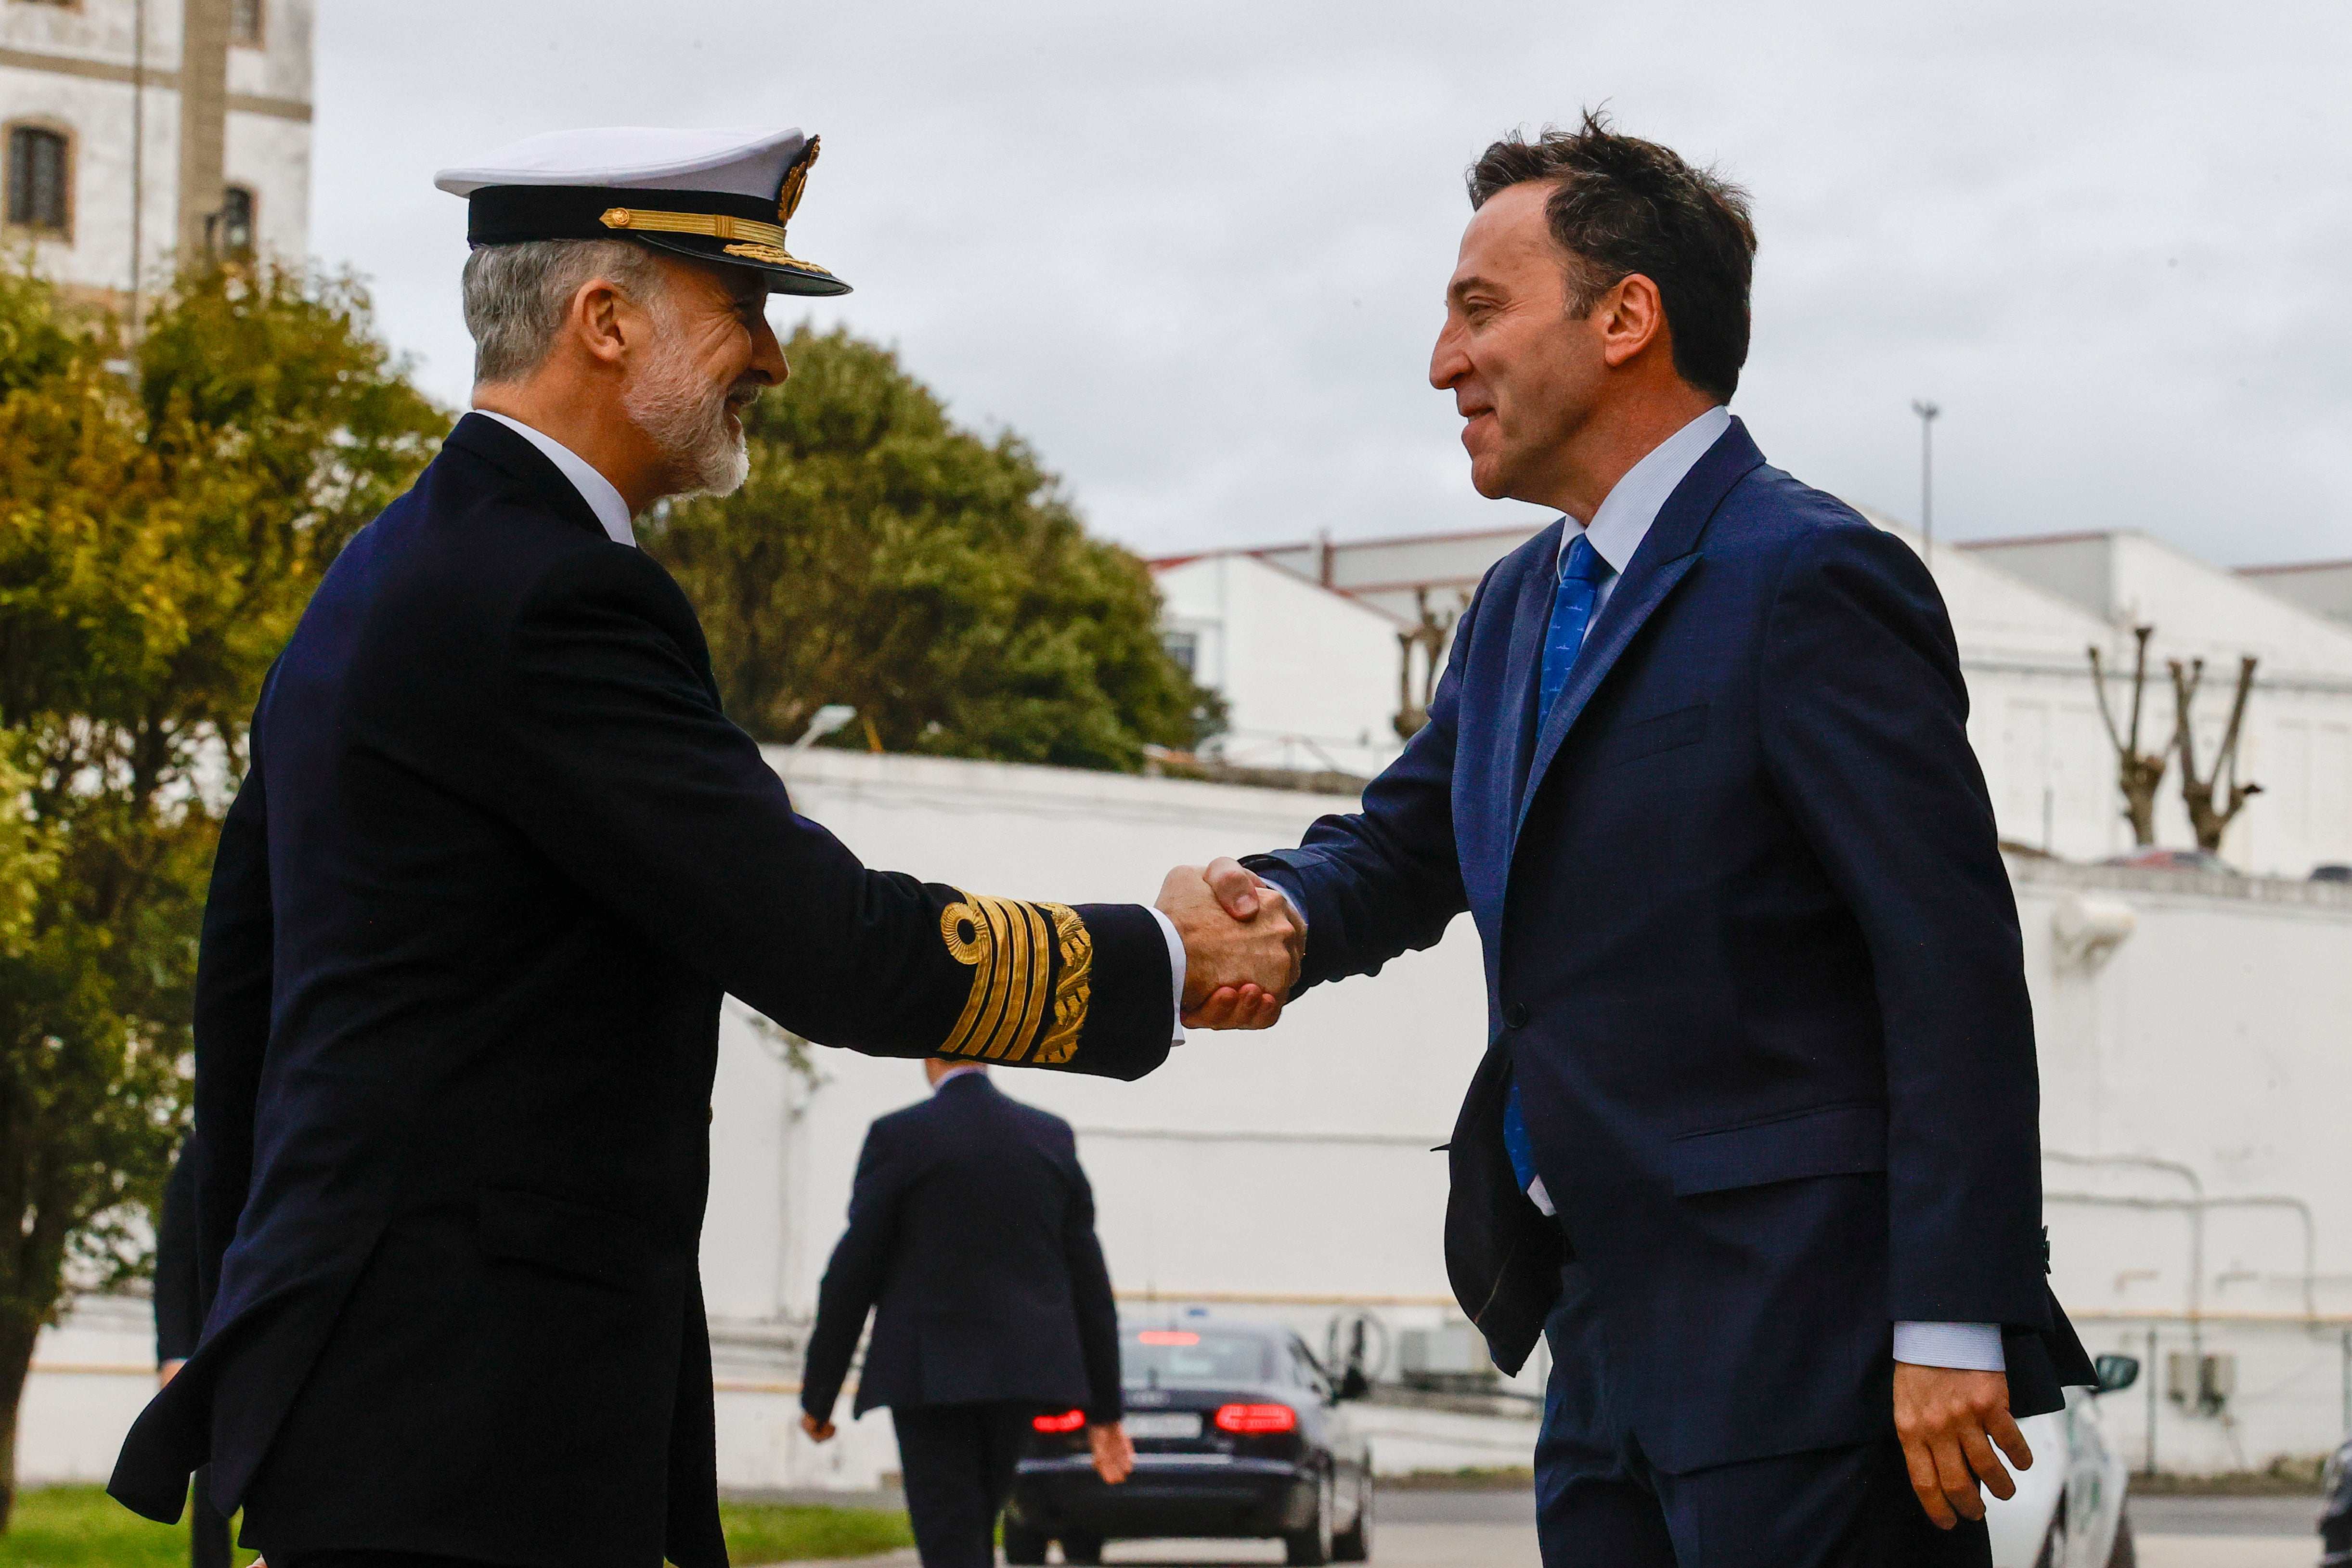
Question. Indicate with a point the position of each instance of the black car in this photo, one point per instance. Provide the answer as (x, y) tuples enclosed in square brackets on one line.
[(1238, 1432), (2336, 1520)]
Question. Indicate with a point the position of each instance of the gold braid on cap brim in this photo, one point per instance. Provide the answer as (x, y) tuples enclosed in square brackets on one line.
[(1011, 948), (756, 241), (760, 241)]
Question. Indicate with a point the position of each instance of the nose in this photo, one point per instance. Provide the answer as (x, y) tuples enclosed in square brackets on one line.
[(1449, 362), (768, 366)]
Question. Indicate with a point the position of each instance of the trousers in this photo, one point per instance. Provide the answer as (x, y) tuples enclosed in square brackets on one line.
[(1600, 1504), (208, 1545), (958, 1462)]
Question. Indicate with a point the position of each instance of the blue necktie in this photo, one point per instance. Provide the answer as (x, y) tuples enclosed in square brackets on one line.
[(1580, 577)]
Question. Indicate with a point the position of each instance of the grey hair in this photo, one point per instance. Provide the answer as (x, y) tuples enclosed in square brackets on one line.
[(518, 295)]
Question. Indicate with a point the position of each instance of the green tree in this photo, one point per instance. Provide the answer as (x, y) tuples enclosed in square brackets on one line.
[(166, 511), (938, 582)]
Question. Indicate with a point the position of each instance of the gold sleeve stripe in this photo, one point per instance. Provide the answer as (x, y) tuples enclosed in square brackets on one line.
[(1011, 947), (1071, 992), (1011, 993), (976, 953), (1010, 952), (1033, 975)]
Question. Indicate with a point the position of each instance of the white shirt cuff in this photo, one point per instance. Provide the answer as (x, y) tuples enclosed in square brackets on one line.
[(1957, 1347), (1175, 976)]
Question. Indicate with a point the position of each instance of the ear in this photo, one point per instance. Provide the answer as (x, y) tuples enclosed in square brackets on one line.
[(595, 320), (1632, 318)]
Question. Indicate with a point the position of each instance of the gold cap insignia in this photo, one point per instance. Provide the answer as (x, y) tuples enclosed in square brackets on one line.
[(788, 195)]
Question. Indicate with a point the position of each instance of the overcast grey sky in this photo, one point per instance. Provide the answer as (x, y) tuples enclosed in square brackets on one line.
[(1195, 253)]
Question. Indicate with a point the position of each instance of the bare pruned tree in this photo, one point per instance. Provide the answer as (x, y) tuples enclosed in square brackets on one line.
[(2138, 775), (2197, 793), (1428, 635)]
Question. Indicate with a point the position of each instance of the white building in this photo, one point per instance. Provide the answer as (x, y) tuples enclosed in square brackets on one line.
[(139, 129), (2195, 1076), (2024, 612)]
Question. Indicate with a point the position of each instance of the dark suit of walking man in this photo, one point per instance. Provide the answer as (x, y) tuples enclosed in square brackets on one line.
[(984, 1315), (1698, 770)]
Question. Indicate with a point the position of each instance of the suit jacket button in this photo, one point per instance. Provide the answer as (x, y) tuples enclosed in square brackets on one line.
[(1516, 1015)]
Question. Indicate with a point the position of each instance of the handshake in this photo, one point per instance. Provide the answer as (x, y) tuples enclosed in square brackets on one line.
[(1243, 945)]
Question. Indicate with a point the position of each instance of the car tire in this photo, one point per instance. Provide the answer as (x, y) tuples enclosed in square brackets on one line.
[(1355, 1543), (2125, 1553), (1023, 1546), (1312, 1547), (1085, 1549)]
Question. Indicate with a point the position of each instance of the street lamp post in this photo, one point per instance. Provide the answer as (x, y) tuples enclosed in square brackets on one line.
[(1927, 411)]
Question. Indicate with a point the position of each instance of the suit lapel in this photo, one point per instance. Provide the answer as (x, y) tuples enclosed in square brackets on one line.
[(1666, 555), (1530, 619)]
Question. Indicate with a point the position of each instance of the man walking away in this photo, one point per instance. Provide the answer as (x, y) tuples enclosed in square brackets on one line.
[(984, 1313)]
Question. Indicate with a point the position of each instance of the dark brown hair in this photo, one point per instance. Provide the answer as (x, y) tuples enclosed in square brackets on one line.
[(1624, 205)]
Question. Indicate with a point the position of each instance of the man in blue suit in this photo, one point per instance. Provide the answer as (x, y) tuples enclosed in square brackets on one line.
[(1755, 1139)]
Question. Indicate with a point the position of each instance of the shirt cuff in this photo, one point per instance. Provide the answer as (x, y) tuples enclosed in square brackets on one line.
[(1175, 975), (1957, 1347)]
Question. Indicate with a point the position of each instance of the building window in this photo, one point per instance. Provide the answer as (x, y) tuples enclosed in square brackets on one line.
[(232, 232), (245, 23), (40, 171), (1184, 647)]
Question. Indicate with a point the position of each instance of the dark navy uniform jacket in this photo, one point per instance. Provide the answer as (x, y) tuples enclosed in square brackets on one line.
[(1752, 958), (1002, 1301), (498, 856)]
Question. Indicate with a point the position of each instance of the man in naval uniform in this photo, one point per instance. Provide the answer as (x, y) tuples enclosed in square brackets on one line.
[(495, 859)]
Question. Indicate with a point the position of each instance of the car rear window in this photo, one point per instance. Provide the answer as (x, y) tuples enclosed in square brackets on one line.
[(1149, 1356)]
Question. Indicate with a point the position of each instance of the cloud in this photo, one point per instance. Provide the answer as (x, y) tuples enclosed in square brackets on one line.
[(1195, 253)]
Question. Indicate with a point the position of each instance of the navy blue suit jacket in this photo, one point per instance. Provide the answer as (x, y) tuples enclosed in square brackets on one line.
[(498, 856), (1002, 1301), (1751, 957)]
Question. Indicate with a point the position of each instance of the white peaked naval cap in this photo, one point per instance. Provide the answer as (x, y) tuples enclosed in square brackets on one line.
[(723, 195)]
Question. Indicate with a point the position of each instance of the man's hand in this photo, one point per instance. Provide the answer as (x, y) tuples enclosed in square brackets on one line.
[(1949, 1422), (1244, 965), (818, 1431), (1114, 1452), (1241, 892)]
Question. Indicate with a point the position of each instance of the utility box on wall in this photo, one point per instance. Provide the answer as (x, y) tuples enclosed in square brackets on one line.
[(1451, 1356), (2201, 1383)]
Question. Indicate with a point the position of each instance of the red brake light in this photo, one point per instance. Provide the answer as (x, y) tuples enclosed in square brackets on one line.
[(1256, 1418), (1166, 1337), (1068, 1422)]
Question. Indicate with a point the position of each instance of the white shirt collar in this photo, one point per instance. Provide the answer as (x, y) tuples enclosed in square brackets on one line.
[(1624, 521), (954, 1073), (594, 487)]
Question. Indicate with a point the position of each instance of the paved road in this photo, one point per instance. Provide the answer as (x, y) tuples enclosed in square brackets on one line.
[(1510, 1546), (1497, 1530)]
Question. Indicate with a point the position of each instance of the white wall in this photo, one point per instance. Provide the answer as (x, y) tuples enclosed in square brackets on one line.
[(1287, 1169), (1289, 1172), (1309, 676)]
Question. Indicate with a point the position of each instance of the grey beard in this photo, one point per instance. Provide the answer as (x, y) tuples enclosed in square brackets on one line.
[(687, 419)]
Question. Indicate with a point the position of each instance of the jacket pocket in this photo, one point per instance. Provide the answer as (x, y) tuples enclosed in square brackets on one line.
[(1648, 736), (614, 1250), (1835, 1141)]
